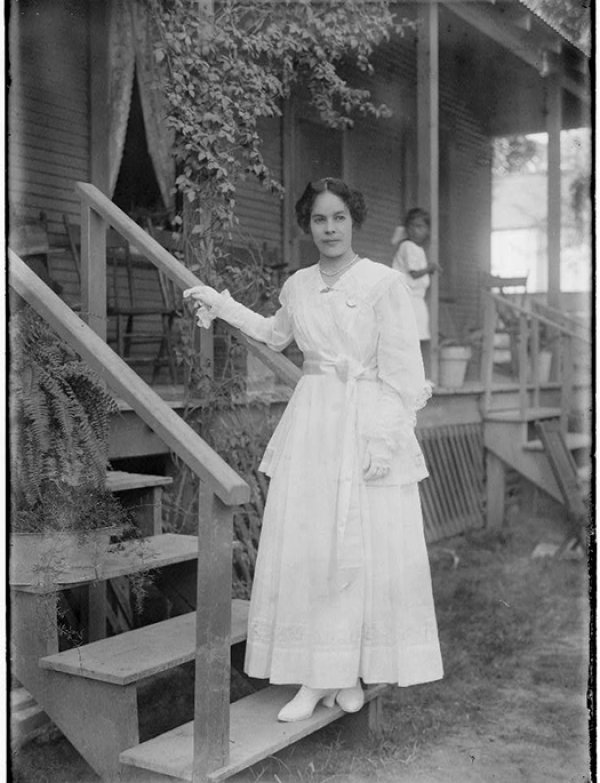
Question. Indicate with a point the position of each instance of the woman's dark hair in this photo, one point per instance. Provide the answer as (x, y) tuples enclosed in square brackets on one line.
[(353, 199), (415, 214)]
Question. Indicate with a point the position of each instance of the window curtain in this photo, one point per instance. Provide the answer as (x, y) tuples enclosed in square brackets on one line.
[(121, 64), (154, 104), (131, 53)]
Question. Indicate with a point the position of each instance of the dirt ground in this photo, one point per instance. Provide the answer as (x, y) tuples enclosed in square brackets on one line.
[(512, 706)]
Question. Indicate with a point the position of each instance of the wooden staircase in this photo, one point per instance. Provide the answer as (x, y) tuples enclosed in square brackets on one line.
[(91, 691), (511, 437)]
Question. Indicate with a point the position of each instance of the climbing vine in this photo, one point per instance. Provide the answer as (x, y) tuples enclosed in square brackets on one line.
[(226, 71)]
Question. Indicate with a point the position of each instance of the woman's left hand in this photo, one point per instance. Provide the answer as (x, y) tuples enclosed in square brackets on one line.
[(377, 460)]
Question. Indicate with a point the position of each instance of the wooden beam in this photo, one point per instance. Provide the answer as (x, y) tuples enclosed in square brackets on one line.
[(93, 271), (428, 152), (518, 41), (554, 126), (580, 91), (213, 642)]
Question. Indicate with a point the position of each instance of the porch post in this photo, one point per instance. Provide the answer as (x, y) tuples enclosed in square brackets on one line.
[(554, 125), (428, 151), (99, 86)]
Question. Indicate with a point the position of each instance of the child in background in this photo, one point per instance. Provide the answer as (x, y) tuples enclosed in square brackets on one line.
[(410, 260)]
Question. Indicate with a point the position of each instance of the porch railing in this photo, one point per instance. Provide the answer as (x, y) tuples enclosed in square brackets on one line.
[(98, 212), (561, 336), (215, 528)]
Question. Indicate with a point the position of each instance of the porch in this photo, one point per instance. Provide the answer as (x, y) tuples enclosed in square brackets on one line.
[(455, 498)]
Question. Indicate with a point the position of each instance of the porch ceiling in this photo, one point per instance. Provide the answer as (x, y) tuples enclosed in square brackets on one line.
[(502, 54)]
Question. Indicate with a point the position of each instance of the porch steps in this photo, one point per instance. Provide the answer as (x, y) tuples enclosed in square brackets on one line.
[(254, 734), (128, 557), (509, 440), (136, 655)]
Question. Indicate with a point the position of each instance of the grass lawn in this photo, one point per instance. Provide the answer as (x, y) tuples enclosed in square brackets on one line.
[(512, 705)]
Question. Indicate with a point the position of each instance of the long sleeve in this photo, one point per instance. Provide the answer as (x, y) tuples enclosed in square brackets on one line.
[(403, 387), (276, 330)]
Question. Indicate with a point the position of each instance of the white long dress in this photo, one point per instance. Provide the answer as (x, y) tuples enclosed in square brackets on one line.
[(342, 586)]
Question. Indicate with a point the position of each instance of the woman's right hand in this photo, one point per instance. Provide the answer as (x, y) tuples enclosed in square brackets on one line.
[(203, 295)]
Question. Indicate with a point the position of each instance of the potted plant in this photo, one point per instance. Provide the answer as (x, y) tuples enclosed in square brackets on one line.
[(59, 423), (540, 365), (455, 354)]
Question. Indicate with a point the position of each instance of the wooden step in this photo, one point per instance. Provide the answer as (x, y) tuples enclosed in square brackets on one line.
[(121, 481), (575, 441), (128, 557), (143, 652), (514, 414), (255, 733), (27, 719)]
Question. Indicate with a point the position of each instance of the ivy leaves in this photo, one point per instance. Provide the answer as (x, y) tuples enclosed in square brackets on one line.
[(225, 73)]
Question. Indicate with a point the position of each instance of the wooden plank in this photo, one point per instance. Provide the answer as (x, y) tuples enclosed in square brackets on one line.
[(255, 734), (554, 120), (143, 652), (120, 480), (99, 719), (428, 152), (574, 441), (213, 639), (496, 489), (126, 558), (203, 460), (514, 414), (93, 271)]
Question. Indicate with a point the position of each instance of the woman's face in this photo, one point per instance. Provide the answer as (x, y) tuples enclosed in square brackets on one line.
[(331, 226)]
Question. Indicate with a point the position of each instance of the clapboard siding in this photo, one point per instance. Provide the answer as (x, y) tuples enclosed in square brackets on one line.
[(48, 113), (375, 149), (258, 210), (465, 203), (374, 167)]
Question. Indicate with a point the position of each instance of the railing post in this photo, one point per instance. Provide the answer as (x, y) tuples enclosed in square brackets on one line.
[(534, 359), (93, 270), (566, 374), (213, 640), (487, 351), (523, 335)]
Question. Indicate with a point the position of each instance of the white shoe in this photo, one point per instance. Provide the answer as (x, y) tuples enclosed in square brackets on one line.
[(304, 702), (351, 699)]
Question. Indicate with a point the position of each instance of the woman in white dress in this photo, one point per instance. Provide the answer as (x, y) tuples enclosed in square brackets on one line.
[(342, 588)]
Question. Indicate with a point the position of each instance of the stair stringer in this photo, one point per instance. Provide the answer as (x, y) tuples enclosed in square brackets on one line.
[(81, 708), (506, 440)]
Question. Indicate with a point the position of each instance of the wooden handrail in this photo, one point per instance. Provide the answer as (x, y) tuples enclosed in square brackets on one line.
[(95, 200), (529, 323), (520, 310), (178, 436)]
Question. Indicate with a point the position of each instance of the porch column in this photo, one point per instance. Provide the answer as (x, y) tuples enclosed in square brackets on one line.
[(428, 151), (99, 86), (554, 126)]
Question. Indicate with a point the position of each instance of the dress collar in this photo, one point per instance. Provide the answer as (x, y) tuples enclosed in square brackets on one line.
[(341, 284)]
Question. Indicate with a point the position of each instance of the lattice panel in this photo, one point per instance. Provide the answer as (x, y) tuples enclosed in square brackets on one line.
[(453, 495)]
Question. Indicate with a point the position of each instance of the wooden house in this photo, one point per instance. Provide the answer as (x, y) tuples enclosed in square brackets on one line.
[(83, 109)]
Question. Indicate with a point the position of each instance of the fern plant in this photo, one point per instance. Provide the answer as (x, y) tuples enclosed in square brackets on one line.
[(59, 425)]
